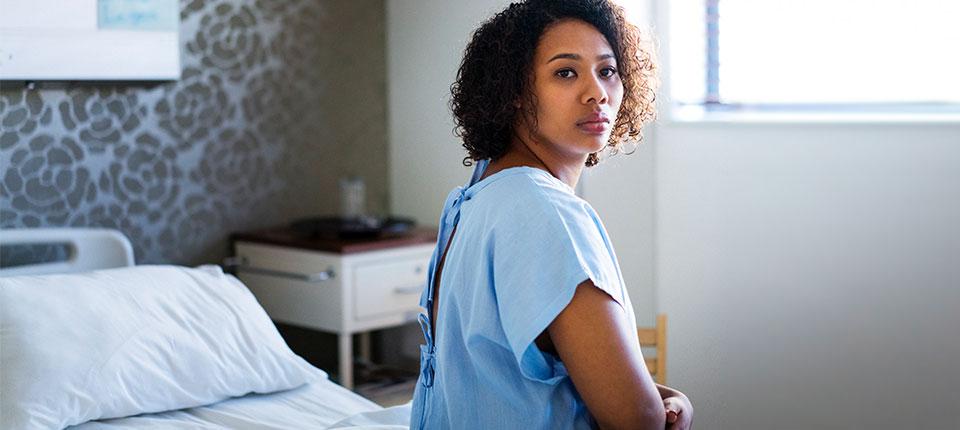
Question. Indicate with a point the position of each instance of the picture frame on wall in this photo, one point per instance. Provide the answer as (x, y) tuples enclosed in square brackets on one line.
[(110, 40)]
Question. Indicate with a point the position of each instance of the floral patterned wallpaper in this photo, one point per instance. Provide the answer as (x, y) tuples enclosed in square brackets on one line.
[(277, 100)]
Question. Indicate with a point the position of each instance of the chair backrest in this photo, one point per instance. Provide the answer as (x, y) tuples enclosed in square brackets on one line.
[(656, 337)]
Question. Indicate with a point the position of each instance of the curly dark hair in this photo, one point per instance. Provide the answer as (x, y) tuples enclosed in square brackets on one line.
[(497, 67)]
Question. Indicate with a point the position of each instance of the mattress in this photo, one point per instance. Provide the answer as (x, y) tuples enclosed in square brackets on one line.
[(318, 405)]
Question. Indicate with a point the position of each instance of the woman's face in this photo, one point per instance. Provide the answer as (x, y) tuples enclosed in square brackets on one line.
[(577, 90)]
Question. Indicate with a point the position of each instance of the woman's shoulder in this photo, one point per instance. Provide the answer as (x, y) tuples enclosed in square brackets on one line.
[(543, 223), (537, 196)]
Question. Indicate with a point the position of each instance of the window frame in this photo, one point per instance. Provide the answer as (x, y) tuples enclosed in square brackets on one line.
[(712, 110)]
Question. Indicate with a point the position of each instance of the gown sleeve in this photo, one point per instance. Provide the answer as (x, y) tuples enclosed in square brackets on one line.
[(546, 243)]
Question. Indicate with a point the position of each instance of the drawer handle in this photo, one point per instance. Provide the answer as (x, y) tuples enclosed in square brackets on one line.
[(239, 264), (416, 289)]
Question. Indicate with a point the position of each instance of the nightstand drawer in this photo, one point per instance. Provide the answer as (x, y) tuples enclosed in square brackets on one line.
[(388, 287)]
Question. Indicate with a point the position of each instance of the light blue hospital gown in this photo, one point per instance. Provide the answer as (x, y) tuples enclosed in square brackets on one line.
[(524, 242)]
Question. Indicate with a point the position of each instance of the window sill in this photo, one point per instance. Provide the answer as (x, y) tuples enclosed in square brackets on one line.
[(697, 116)]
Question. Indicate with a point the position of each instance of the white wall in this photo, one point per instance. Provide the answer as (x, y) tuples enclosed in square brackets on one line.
[(425, 42), (812, 273)]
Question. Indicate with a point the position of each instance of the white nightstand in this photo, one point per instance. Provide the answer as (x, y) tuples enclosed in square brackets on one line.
[(338, 286)]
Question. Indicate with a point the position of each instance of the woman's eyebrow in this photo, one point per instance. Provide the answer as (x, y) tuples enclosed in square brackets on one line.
[(600, 57)]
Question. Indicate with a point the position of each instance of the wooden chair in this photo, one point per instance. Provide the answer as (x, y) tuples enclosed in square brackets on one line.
[(656, 337)]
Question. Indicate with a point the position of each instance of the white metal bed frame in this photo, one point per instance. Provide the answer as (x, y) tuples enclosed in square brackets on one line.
[(90, 249)]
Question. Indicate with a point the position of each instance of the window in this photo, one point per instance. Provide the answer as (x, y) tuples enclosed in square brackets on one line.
[(814, 56)]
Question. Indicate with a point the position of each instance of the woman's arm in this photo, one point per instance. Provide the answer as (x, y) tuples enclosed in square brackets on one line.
[(594, 341)]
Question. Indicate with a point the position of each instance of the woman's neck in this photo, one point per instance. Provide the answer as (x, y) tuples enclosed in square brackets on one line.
[(522, 153)]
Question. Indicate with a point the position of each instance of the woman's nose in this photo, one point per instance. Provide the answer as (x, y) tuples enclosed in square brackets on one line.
[(594, 92)]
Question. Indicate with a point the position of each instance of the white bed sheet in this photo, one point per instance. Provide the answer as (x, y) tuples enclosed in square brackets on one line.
[(319, 405)]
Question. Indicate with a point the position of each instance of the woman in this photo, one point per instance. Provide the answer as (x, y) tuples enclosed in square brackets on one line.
[(529, 325)]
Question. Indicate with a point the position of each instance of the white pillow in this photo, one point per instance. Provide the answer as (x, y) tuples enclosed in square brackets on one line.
[(121, 342)]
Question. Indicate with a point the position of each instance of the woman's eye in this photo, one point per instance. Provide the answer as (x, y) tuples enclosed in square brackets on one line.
[(566, 73), (608, 72)]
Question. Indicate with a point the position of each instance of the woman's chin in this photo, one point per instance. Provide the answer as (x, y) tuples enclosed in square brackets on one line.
[(596, 144)]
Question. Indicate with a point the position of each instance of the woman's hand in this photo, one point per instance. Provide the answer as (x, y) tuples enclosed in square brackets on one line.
[(679, 411)]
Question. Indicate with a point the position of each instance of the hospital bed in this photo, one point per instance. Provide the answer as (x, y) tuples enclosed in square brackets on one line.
[(95, 342)]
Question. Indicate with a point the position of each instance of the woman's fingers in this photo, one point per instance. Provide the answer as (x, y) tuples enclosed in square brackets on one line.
[(672, 409), (678, 413), (671, 417)]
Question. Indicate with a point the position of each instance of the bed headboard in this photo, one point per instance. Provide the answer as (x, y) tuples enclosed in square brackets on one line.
[(90, 249)]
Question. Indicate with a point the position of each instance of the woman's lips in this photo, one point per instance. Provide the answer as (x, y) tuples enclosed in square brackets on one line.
[(594, 127), (594, 123)]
